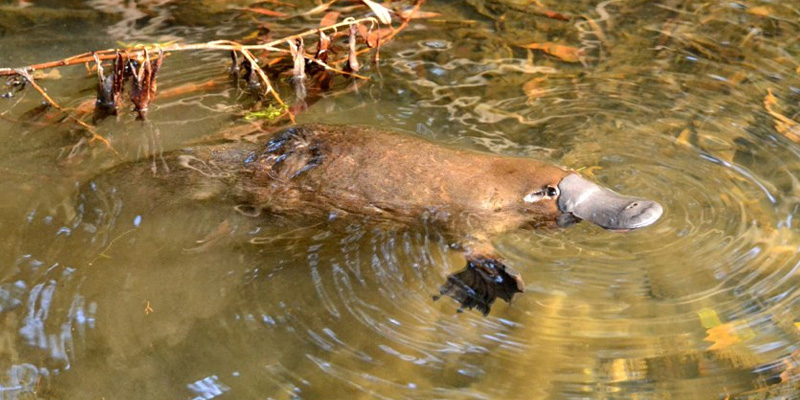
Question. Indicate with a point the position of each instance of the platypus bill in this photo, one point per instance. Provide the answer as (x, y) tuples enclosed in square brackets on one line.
[(384, 176)]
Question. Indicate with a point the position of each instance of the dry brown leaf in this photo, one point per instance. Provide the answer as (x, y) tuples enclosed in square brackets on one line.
[(329, 19), (410, 14), (560, 51), (271, 13), (380, 11), (372, 37), (761, 11)]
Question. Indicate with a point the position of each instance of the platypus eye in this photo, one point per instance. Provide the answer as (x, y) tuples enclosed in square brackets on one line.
[(547, 192)]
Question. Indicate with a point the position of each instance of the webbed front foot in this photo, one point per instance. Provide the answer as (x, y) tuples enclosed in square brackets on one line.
[(482, 281)]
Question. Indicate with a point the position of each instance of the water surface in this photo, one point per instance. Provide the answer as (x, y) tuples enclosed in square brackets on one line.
[(107, 293)]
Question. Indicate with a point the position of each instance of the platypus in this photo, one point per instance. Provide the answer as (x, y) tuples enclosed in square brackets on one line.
[(341, 172)]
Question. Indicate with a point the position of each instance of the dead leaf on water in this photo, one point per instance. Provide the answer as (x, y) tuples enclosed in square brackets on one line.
[(268, 12), (761, 11), (411, 14), (722, 337), (562, 52), (329, 19)]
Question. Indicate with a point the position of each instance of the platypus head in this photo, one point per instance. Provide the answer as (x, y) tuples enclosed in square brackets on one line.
[(580, 199)]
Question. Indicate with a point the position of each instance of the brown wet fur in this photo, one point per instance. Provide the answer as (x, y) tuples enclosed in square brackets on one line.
[(343, 172), (384, 175)]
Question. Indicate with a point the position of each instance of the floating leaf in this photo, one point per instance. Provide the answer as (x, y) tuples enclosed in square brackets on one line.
[(270, 113), (411, 14), (271, 13), (722, 337), (380, 11), (761, 11)]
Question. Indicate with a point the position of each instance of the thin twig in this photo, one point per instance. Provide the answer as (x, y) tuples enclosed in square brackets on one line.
[(226, 45), (89, 128)]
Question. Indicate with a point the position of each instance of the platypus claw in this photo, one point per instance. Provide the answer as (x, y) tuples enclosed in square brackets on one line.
[(482, 281)]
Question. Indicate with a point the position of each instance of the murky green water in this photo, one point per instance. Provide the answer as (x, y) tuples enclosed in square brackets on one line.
[(108, 292)]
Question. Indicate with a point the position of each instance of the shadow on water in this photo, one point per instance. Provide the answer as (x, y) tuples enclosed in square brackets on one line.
[(109, 290)]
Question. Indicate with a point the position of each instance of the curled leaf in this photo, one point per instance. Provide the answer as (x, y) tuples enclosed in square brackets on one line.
[(381, 12), (416, 14), (352, 59), (144, 86), (323, 47), (298, 56)]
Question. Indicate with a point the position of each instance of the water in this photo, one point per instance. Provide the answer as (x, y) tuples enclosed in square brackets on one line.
[(109, 292)]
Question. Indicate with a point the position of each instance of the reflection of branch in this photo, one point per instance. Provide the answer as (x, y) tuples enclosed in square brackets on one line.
[(89, 128)]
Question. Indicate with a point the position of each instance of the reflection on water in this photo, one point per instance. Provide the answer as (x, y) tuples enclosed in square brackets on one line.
[(110, 288)]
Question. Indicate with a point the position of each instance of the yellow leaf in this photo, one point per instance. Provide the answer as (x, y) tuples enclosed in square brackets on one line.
[(709, 318), (722, 337), (759, 11)]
